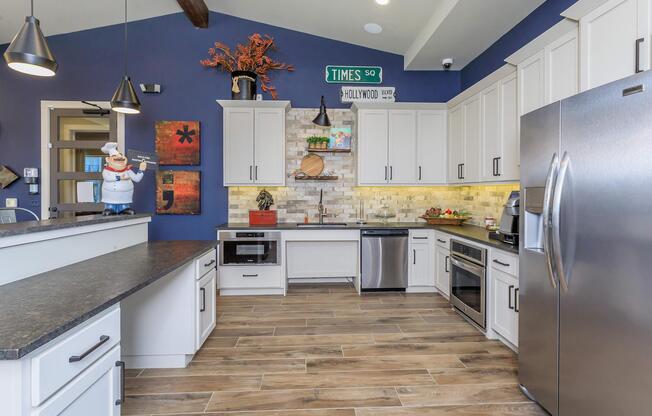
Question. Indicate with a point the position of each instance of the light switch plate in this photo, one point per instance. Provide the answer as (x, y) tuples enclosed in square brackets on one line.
[(11, 202)]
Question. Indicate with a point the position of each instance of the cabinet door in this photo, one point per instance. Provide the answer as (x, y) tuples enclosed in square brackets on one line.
[(508, 166), (609, 45), (238, 146), (443, 281), (505, 318), (206, 296), (455, 144), (269, 146), (402, 146), (420, 270), (373, 138), (562, 67), (531, 83), (431, 147), (93, 392), (472, 139), (492, 144)]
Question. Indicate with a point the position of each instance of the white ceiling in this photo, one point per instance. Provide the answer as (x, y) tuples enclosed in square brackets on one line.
[(424, 31)]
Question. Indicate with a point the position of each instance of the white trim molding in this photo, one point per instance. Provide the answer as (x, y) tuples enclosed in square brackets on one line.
[(46, 106)]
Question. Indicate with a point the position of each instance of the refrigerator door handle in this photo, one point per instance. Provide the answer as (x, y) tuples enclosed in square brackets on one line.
[(556, 221), (547, 202)]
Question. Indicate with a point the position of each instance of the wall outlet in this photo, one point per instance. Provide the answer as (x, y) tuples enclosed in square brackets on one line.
[(11, 202)]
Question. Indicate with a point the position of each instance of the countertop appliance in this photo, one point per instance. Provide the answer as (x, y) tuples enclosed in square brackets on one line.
[(509, 221), (468, 280), (384, 259), (260, 248), (585, 286)]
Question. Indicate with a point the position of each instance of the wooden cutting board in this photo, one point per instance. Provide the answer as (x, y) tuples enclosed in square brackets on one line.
[(312, 165)]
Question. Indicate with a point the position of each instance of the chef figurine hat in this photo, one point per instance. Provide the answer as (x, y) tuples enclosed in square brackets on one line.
[(111, 149)]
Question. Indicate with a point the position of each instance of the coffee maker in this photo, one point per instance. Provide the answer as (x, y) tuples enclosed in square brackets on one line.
[(508, 231)]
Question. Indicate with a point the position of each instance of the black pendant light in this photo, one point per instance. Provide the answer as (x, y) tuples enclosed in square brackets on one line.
[(28, 52), (125, 99), (322, 117)]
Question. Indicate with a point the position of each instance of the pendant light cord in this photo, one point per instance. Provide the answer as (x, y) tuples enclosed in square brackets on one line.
[(125, 37), (32, 8)]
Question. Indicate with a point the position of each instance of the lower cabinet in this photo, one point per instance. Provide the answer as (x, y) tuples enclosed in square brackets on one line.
[(421, 267), (443, 278), (206, 305), (505, 305)]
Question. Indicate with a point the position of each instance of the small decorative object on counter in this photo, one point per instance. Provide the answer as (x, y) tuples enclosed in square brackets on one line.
[(438, 216), (490, 223), (247, 64), (118, 184), (264, 216), (385, 213)]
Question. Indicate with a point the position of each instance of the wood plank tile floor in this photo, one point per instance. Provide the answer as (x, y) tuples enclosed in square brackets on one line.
[(325, 351)]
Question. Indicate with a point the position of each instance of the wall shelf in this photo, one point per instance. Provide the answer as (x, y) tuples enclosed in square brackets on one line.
[(316, 178), (329, 150)]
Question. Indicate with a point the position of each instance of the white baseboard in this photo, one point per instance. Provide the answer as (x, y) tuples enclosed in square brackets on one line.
[(157, 361), (321, 280), (249, 292), (421, 289)]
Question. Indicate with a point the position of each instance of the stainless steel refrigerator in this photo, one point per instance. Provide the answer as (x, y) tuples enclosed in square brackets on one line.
[(585, 322)]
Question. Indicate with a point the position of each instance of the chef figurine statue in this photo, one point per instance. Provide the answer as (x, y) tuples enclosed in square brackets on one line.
[(118, 185)]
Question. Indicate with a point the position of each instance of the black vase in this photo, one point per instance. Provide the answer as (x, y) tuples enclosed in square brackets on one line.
[(243, 85)]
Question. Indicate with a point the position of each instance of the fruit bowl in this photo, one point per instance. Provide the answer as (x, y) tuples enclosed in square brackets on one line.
[(445, 220)]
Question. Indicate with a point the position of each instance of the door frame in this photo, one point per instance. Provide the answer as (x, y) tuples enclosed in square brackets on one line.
[(46, 106)]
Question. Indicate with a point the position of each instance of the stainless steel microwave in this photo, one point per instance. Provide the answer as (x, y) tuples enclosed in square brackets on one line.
[(245, 248)]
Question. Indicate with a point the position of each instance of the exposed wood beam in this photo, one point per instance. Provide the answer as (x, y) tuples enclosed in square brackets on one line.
[(196, 11)]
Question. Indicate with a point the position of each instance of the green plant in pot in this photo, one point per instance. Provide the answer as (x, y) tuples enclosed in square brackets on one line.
[(247, 64), (318, 142)]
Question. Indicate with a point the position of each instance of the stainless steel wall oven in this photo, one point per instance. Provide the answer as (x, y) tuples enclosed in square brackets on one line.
[(250, 248), (468, 280)]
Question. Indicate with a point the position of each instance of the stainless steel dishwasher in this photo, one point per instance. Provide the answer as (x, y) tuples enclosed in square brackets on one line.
[(384, 263)]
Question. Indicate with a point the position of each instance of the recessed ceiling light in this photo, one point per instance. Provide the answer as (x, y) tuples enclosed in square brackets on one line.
[(374, 28), (382, 2)]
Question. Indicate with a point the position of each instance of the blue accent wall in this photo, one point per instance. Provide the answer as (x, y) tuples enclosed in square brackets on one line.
[(537, 22), (167, 50)]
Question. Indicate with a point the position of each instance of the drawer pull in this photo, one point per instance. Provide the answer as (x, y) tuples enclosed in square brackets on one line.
[(121, 400), (509, 297), (203, 299), (516, 300), (501, 263), (441, 241), (419, 238), (210, 263), (249, 275), (75, 358)]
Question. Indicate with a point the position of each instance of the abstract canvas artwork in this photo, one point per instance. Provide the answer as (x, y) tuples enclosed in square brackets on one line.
[(178, 142), (178, 192), (340, 138)]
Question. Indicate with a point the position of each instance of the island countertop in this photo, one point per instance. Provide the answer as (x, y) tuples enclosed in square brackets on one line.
[(470, 232), (37, 309), (28, 227)]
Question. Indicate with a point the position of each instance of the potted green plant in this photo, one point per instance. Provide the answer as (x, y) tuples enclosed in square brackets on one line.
[(323, 142), (247, 64)]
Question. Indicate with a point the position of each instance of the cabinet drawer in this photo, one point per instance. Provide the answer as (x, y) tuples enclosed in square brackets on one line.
[(504, 262), (250, 277), (443, 240), (423, 236), (206, 263), (72, 354), (206, 296)]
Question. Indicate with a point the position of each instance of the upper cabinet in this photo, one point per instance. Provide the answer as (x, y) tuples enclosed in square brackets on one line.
[(615, 42), (254, 142), (455, 143), (401, 144)]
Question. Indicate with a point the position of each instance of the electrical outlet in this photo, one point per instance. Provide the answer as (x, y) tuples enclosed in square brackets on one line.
[(35, 203), (11, 202)]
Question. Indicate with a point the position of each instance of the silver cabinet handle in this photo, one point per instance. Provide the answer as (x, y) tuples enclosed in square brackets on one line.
[(249, 275), (210, 263), (547, 202), (75, 358), (121, 400), (556, 221), (256, 172), (516, 300), (441, 241), (414, 256), (203, 299), (385, 172), (251, 174), (419, 172), (501, 263), (509, 297), (446, 266), (419, 238), (639, 42), (391, 173)]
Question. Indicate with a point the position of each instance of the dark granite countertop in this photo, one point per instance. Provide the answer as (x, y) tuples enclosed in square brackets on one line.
[(35, 310), (27, 227), (470, 232)]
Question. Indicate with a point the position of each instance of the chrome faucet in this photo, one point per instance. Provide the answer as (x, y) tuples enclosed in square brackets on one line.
[(322, 211)]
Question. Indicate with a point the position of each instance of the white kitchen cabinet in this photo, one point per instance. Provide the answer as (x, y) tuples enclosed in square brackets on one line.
[(562, 67), (455, 144), (472, 139), (402, 154), (505, 305), (401, 144), (373, 143), (432, 147), (615, 42), (492, 144), (421, 272), (254, 142), (442, 279), (206, 306), (531, 81)]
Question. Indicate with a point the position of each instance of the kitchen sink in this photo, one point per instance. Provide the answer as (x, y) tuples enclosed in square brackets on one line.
[(324, 225)]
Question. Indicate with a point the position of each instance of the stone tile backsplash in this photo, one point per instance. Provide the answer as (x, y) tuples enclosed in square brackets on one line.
[(342, 198)]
